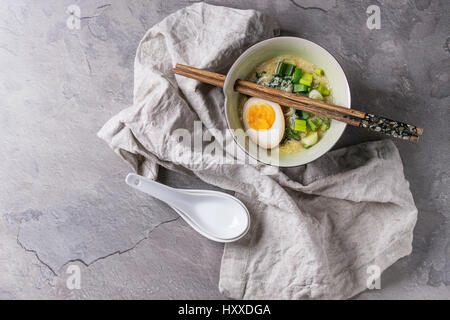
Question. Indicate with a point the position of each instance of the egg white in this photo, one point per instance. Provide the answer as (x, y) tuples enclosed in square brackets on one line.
[(270, 138)]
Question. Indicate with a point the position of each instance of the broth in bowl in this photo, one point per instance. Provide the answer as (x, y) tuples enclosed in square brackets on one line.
[(268, 124)]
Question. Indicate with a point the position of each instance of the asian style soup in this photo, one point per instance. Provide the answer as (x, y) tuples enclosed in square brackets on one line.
[(267, 123)]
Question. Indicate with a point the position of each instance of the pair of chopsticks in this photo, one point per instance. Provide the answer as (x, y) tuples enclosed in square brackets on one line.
[(350, 116)]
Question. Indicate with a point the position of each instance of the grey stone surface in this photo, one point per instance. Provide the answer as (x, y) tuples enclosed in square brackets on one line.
[(62, 199), (90, 226)]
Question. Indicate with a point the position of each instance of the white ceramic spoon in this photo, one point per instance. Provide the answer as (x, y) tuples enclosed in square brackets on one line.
[(216, 215)]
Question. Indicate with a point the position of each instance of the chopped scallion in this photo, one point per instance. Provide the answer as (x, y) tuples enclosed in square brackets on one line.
[(280, 69), (306, 79), (319, 72), (305, 115), (318, 122), (288, 69), (323, 90), (300, 88), (291, 134), (315, 94), (300, 125), (310, 139), (297, 75), (325, 125), (312, 125)]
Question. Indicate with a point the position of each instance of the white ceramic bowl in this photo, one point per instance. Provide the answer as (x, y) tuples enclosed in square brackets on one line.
[(266, 50)]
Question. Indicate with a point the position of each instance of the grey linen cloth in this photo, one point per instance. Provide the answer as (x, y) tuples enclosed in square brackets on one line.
[(315, 229)]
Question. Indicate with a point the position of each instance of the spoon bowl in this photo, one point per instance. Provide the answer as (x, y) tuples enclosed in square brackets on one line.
[(216, 215)]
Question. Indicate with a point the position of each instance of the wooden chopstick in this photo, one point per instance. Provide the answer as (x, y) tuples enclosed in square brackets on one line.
[(218, 82), (349, 116), (368, 119), (201, 77), (292, 96)]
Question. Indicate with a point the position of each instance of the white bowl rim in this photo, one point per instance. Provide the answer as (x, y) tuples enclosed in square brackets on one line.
[(227, 84)]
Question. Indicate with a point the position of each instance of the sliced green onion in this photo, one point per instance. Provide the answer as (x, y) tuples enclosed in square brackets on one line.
[(315, 94), (291, 134), (325, 125), (310, 139), (280, 69), (297, 75), (300, 125), (300, 88), (319, 72), (318, 122), (288, 69), (312, 125), (323, 90), (305, 115), (306, 79)]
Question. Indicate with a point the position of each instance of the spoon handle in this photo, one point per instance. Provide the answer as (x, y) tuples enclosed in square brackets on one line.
[(160, 191)]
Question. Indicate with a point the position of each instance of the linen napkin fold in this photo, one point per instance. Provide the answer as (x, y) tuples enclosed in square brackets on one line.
[(316, 230)]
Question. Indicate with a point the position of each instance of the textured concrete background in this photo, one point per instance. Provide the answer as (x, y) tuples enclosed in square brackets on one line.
[(62, 196)]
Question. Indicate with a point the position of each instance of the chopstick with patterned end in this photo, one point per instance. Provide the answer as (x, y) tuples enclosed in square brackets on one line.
[(350, 116), (218, 82)]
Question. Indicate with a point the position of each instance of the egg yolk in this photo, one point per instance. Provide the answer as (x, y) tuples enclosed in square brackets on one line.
[(260, 116)]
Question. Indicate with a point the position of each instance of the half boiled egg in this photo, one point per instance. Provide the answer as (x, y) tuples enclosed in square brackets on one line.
[(263, 122)]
